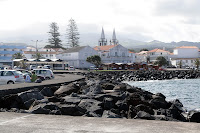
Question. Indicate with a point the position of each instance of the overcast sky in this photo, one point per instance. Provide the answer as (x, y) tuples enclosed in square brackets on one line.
[(143, 20)]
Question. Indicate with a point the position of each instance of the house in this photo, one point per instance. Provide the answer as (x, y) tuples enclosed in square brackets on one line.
[(185, 56), (7, 51), (153, 54), (77, 56), (141, 57)]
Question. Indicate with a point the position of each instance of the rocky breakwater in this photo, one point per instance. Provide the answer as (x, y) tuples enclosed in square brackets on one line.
[(147, 75), (98, 96)]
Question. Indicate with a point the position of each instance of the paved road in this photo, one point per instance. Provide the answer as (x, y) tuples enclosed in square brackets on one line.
[(32, 123), (59, 78)]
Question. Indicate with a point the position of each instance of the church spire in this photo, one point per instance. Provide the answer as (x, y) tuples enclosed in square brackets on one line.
[(102, 34), (114, 40), (102, 40)]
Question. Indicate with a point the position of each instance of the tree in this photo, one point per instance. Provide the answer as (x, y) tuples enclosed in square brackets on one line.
[(197, 63), (22, 63), (72, 34), (95, 59), (37, 56), (18, 56), (54, 37), (144, 49), (180, 63), (160, 61)]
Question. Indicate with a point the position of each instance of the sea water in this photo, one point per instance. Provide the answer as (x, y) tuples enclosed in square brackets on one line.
[(186, 90)]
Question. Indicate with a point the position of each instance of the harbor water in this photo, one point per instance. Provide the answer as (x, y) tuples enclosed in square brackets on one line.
[(186, 90)]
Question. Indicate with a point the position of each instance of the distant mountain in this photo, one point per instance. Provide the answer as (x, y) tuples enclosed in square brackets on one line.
[(91, 39)]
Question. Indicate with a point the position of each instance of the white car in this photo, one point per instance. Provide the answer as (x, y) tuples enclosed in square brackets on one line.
[(71, 68), (10, 76), (44, 73)]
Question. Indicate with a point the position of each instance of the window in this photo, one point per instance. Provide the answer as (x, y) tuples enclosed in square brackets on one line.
[(161, 53), (115, 53), (47, 55), (186, 61), (191, 61), (123, 54)]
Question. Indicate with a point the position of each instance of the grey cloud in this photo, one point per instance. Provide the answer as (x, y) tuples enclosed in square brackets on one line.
[(178, 7)]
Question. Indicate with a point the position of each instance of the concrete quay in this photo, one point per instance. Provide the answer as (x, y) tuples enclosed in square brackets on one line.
[(38, 123), (19, 87)]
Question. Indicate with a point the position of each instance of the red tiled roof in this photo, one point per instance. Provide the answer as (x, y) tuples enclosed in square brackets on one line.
[(157, 50), (130, 52), (187, 47), (104, 48)]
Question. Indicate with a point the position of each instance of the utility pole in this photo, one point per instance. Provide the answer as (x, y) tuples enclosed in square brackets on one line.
[(36, 41)]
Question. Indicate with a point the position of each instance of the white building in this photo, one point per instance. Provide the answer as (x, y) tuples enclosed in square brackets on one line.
[(185, 56), (47, 53), (141, 57), (113, 53), (153, 54), (77, 56)]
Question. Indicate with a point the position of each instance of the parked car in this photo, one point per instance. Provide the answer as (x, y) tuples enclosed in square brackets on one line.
[(44, 73), (10, 76), (47, 67), (93, 68), (24, 72), (32, 67), (71, 68)]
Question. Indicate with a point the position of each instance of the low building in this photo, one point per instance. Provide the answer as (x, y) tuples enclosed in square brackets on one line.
[(77, 56), (7, 51), (153, 54), (141, 57), (185, 56), (47, 53)]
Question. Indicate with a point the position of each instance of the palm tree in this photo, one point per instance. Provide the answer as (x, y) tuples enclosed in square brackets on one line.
[(38, 56), (197, 63), (18, 56)]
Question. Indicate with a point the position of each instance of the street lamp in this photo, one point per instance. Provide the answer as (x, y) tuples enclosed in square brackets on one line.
[(36, 44)]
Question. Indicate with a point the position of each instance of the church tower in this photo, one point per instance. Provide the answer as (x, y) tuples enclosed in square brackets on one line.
[(114, 40), (102, 40)]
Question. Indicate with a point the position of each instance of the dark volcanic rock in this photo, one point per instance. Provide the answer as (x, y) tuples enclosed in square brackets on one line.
[(32, 94), (67, 89), (194, 116), (110, 114), (144, 115), (46, 91), (91, 107)]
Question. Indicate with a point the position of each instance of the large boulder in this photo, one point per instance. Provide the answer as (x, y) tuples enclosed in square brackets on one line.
[(194, 116), (110, 114), (46, 91), (67, 89), (45, 108), (144, 115), (72, 109), (91, 107), (71, 100), (32, 94), (108, 103)]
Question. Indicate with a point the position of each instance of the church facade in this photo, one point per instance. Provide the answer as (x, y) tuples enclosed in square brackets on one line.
[(113, 52)]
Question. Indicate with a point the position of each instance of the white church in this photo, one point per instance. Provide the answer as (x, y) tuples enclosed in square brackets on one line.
[(113, 52)]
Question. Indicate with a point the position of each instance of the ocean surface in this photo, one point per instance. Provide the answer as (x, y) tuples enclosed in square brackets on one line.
[(186, 90)]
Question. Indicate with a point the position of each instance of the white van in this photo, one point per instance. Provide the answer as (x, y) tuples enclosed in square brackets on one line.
[(44, 73)]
